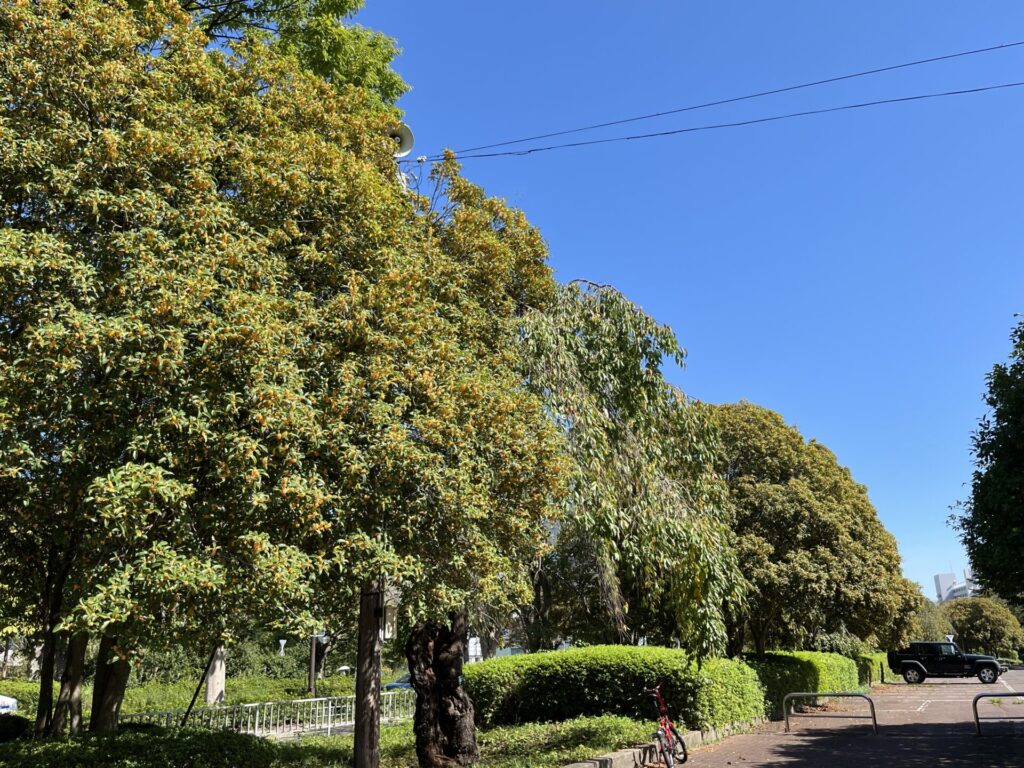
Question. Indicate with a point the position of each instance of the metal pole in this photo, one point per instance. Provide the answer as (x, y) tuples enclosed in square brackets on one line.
[(202, 680), (312, 666)]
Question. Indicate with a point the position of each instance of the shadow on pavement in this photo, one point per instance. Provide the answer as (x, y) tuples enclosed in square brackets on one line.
[(919, 745)]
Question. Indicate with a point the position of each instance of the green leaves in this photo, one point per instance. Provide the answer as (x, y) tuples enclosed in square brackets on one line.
[(818, 559), (983, 625), (991, 526), (643, 505)]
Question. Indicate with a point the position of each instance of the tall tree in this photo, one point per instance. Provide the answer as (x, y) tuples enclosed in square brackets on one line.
[(990, 526), (984, 625), (810, 543), (645, 515), (238, 366)]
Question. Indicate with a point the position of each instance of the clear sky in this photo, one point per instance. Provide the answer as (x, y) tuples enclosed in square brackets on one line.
[(857, 272)]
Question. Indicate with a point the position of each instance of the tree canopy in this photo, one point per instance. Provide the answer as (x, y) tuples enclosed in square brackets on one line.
[(645, 546), (991, 525), (809, 540), (238, 365), (984, 625)]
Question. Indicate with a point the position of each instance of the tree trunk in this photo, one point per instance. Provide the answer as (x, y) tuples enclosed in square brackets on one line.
[(44, 711), (489, 643), (444, 728), (108, 688), (367, 726), (68, 714)]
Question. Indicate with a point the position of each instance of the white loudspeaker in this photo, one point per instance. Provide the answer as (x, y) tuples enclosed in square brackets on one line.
[(403, 138)]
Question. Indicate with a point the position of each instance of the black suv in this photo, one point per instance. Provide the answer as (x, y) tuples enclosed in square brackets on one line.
[(923, 660)]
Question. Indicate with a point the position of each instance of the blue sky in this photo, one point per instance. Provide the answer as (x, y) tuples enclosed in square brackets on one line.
[(857, 272)]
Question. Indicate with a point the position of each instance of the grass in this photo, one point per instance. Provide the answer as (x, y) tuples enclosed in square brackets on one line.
[(536, 745)]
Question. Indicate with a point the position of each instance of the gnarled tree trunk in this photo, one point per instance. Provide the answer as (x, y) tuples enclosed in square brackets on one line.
[(68, 714), (108, 688), (444, 728)]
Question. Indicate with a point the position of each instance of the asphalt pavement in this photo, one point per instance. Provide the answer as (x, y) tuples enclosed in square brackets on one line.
[(928, 725)]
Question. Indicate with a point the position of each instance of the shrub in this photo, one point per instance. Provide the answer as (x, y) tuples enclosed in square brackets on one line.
[(610, 680), (782, 672), (27, 694), (868, 673), (546, 745)]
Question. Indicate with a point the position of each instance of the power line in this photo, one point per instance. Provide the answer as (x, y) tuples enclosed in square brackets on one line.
[(747, 97), (736, 124)]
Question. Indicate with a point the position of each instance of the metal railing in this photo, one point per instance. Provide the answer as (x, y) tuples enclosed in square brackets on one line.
[(819, 695), (282, 718), (977, 719)]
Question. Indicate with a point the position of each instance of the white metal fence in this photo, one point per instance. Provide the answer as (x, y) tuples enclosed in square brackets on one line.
[(283, 718)]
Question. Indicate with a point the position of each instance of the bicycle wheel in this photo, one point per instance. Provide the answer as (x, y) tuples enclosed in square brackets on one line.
[(679, 752), (664, 748)]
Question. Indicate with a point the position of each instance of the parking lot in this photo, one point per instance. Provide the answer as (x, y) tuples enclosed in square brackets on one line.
[(930, 725)]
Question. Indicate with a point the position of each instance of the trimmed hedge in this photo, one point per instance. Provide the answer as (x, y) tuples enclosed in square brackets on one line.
[(783, 672), (868, 672), (610, 680)]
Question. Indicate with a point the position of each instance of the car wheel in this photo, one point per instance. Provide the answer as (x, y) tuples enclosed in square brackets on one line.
[(912, 675), (987, 675)]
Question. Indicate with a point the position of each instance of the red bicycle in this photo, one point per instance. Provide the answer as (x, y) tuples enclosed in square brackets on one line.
[(670, 743)]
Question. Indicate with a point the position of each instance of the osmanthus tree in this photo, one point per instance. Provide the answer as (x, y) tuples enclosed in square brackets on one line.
[(991, 524), (236, 365), (810, 543), (644, 547)]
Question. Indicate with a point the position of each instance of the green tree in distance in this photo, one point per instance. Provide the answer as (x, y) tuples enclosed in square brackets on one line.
[(991, 525), (983, 625), (809, 540), (929, 622)]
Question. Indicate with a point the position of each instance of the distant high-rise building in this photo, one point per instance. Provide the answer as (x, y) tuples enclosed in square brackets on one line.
[(943, 583), (948, 588)]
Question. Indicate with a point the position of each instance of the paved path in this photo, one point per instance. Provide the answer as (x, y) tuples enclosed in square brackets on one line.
[(930, 725)]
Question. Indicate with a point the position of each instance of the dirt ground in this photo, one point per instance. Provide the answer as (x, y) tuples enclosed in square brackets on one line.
[(930, 725)]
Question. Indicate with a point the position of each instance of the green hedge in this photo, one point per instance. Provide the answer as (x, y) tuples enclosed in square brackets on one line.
[(610, 680), (868, 669), (782, 672)]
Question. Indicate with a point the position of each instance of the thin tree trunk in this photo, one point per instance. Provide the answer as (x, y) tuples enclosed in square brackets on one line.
[(108, 688), (367, 726), (443, 724), (68, 714), (54, 597)]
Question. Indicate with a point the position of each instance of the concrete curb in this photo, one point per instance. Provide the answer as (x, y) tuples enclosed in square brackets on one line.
[(647, 754)]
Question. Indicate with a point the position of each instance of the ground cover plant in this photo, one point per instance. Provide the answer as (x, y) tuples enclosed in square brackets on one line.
[(538, 745)]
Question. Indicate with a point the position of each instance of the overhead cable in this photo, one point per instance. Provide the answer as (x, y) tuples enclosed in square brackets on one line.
[(735, 124), (748, 97)]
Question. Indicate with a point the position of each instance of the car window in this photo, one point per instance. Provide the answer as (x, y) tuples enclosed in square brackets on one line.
[(947, 649)]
